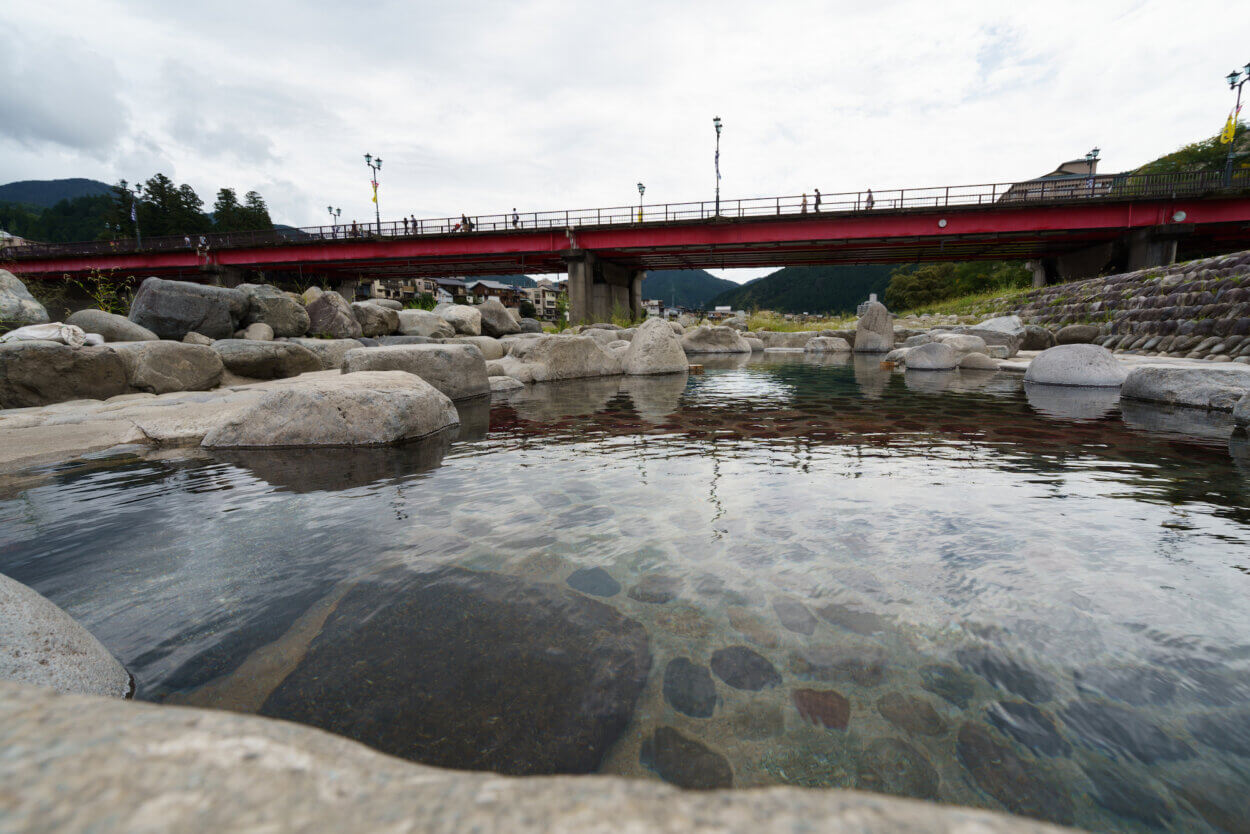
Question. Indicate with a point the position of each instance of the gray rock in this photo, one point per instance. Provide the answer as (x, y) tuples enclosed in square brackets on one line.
[(269, 305), (977, 362), (42, 645), (790, 339), (1010, 325), (917, 340), (256, 332), (756, 345), (459, 371), (172, 309), (329, 352), (961, 343), (112, 327), (874, 333), (689, 688), (161, 367), (266, 360), (466, 320), (547, 358), (42, 373), (827, 344), (685, 762), (194, 338), (360, 409), (496, 320), (1077, 334), (424, 323), (711, 339), (384, 341), (17, 306), (374, 320), (743, 668), (531, 326), (934, 356), (1037, 338), (655, 349), (503, 384), (330, 315), (311, 294), (252, 774), (388, 303), (1087, 365), (736, 322), (1241, 411), (1218, 389), (490, 347)]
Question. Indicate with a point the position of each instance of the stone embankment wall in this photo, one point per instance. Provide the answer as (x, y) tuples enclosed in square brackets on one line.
[(1199, 309)]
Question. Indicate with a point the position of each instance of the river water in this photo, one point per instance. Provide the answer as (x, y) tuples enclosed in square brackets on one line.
[(788, 570)]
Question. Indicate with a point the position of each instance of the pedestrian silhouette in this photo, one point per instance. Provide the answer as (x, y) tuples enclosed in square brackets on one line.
[(516, 219), (405, 225), (868, 201), (804, 209), (816, 206)]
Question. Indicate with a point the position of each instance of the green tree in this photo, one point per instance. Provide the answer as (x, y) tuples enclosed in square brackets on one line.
[(1207, 155), (919, 285), (227, 213), (527, 309), (256, 212)]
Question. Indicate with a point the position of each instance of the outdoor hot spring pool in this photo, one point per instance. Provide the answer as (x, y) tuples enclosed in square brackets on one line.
[(787, 570)]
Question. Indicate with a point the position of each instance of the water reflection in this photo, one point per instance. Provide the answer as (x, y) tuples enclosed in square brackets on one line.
[(995, 597), (1068, 402)]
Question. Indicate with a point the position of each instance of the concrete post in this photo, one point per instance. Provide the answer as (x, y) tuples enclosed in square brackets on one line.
[(1039, 272), (1145, 249), (346, 287), (579, 286), (635, 294), (598, 287)]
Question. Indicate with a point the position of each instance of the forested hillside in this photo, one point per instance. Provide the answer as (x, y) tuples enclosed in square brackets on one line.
[(692, 288), (810, 289)]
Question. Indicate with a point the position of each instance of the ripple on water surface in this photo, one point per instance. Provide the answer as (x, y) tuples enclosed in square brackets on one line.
[(797, 570)]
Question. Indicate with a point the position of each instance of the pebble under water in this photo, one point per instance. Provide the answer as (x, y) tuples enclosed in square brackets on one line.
[(790, 570)]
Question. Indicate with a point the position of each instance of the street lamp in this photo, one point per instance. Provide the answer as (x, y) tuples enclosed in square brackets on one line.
[(1091, 160), (1236, 80), (375, 165), (641, 189), (335, 214), (134, 209), (717, 124)]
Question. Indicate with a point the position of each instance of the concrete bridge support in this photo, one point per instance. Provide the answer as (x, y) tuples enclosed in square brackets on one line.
[(598, 287), (1138, 249)]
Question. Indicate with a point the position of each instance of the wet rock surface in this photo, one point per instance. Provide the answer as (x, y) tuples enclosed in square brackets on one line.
[(657, 589), (473, 670), (825, 707), (889, 765), (689, 689), (911, 714), (1228, 731), (947, 682), (1122, 731), (743, 668), (595, 581), (1030, 726), (1007, 674), (1011, 779), (685, 762), (794, 615), (1128, 798)]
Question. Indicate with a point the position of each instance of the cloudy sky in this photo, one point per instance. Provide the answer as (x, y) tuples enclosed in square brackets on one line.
[(479, 107)]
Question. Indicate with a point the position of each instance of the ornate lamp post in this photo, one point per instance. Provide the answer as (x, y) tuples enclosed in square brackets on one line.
[(375, 165), (1091, 159), (716, 122), (335, 214), (641, 189), (1236, 80)]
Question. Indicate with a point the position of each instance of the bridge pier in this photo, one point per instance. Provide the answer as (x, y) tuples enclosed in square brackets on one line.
[(598, 287), (1137, 249)]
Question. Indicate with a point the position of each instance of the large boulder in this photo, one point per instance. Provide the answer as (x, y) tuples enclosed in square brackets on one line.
[(42, 373), (1036, 337), (17, 305), (466, 320), (1217, 389), (531, 325), (329, 352), (977, 362), (934, 356), (961, 343), (1241, 412), (737, 323), (388, 303), (1077, 334), (172, 309), (269, 305), (375, 320), (162, 366), (331, 316), (40, 644), (496, 320), (490, 347), (826, 344), (311, 294), (1087, 365), (361, 409), (451, 645), (112, 327), (406, 340), (547, 358), (459, 371), (874, 333), (266, 360), (713, 339), (655, 349), (256, 332), (424, 323), (786, 339), (1011, 325)]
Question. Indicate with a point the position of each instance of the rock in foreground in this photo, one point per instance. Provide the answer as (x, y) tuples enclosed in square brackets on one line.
[(874, 333), (1087, 365), (162, 366), (42, 645), (655, 349), (112, 327), (459, 371), (496, 320), (172, 309), (346, 410), (17, 306), (472, 670), (547, 358), (711, 339), (1217, 389), (42, 373)]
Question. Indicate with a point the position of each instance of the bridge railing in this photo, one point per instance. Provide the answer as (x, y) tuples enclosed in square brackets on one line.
[(1104, 187)]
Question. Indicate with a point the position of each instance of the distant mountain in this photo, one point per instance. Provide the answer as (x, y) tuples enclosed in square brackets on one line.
[(47, 193), (809, 289), (692, 288)]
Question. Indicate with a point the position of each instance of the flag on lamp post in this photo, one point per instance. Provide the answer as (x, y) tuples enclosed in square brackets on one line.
[(1230, 128), (134, 216), (375, 190)]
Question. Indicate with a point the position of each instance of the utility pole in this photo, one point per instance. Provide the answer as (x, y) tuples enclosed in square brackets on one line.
[(716, 122)]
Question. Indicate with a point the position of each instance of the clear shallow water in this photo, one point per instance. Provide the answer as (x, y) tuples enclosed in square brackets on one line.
[(785, 571)]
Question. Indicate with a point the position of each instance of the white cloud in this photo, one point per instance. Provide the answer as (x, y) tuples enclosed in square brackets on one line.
[(478, 107)]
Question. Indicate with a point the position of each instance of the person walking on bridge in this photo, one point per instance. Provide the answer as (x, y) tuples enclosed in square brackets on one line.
[(868, 201), (405, 226), (804, 208), (816, 204), (516, 219)]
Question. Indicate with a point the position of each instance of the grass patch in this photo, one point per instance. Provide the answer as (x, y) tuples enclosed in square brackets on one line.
[(780, 324), (970, 305)]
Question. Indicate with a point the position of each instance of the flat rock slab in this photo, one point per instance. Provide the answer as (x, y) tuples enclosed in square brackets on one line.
[(112, 327), (40, 644), (266, 360), (43, 373), (1217, 389), (330, 352), (459, 371), (159, 367), (472, 670)]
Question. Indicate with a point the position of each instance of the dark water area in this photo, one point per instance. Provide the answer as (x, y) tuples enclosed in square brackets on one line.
[(789, 570)]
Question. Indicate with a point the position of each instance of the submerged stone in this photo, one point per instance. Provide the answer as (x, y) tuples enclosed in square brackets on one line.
[(947, 682), (823, 706), (1118, 730), (742, 668), (1002, 774), (862, 665), (1136, 685), (911, 714), (685, 762), (889, 765), (1030, 726), (1119, 794), (794, 615), (1229, 731), (752, 627), (595, 581), (656, 588), (471, 670), (1006, 673), (1223, 804), (852, 618), (689, 688)]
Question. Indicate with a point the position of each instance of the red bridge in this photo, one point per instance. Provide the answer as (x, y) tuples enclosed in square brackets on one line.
[(1066, 227)]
